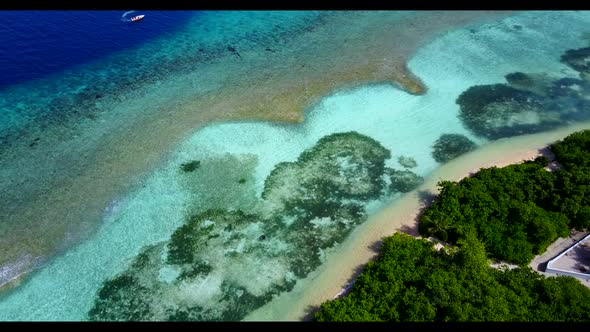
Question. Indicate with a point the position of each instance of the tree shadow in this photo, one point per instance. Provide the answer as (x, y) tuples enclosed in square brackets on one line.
[(553, 164), (426, 197), (546, 151), (376, 246), (309, 312), (356, 273), (410, 230), (580, 268), (582, 257), (583, 252), (542, 266)]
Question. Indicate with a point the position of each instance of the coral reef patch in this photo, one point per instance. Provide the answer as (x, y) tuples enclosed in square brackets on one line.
[(578, 60), (519, 79), (224, 262), (403, 181), (190, 166), (407, 162), (451, 146), (528, 103)]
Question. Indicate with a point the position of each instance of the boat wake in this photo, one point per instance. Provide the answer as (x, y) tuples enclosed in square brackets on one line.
[(124, 16)]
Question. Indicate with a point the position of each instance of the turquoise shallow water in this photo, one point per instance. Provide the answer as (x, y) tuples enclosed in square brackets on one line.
[(406, 125), (106, 124), (202, 38), (51, 129)]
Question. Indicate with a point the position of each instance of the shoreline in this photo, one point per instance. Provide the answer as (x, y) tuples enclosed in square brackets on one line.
[(334, 277)]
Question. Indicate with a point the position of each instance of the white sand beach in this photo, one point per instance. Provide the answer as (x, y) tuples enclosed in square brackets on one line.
[(145, 197)]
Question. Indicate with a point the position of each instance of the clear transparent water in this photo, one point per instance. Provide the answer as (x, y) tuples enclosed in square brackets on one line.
[(407, 125)]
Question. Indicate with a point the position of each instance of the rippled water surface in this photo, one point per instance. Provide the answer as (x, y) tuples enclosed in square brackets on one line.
[(239, 211)]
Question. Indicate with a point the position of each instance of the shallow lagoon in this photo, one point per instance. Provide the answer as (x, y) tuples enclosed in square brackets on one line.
[(406, 125)]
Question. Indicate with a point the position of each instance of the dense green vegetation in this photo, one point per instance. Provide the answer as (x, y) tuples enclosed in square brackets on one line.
[(517, 211), (573, 153), (508, 213), (411, 281), (510, 208)]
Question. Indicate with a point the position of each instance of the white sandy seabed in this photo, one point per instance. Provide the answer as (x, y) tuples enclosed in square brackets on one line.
[(407, 125)]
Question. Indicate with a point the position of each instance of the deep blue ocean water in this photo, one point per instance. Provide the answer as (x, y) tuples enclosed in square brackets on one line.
[(34, 44), (65, 288)]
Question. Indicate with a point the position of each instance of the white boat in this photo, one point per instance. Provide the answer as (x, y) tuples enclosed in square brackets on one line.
[(137, 18)]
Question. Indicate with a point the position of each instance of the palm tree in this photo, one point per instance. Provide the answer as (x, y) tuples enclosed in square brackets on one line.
[(438, 228)]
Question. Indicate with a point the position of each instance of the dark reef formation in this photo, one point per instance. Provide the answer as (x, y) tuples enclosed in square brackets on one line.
[(496, 111), (451, 146), (347, 165), (190, 166), (528, 103), (519, 79), (407, 162), (579, 60), (403, 181), (223, 263)]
